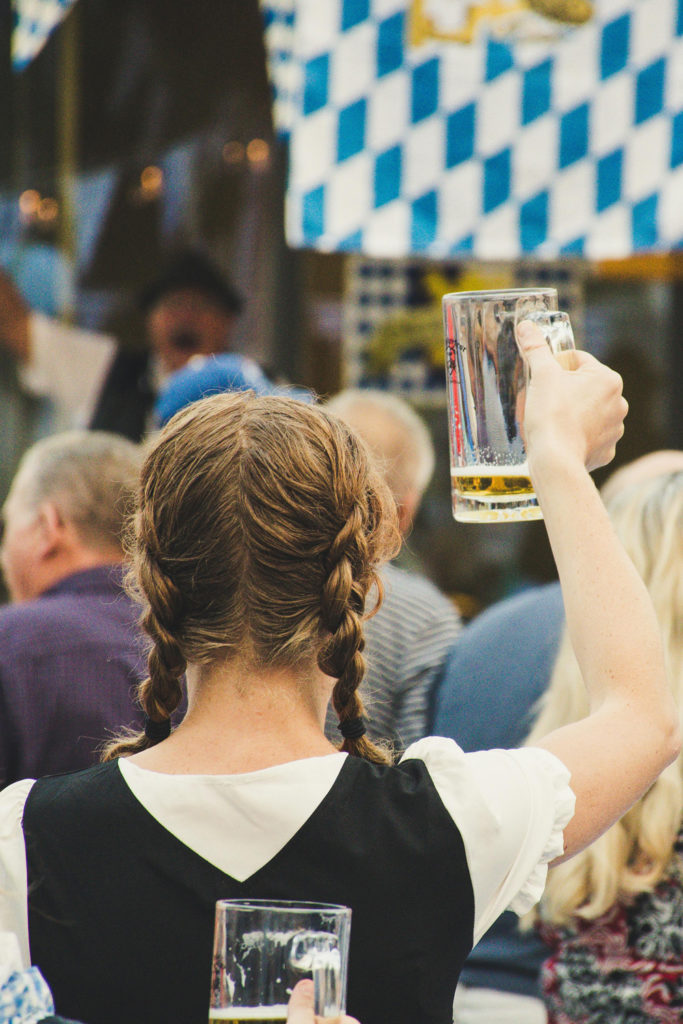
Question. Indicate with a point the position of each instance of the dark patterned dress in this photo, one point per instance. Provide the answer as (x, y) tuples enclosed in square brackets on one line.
[(625, 967)]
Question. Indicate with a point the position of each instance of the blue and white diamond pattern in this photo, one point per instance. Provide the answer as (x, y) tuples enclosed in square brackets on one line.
[(493, 149), (34, 21)]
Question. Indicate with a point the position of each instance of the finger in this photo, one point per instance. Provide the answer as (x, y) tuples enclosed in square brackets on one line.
[(533, 346), (300, 1009)]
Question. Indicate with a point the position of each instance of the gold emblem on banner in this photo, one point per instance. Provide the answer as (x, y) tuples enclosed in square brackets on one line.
[(503, 15)]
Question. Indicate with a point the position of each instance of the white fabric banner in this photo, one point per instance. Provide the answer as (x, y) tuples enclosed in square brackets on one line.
[(489, 129)]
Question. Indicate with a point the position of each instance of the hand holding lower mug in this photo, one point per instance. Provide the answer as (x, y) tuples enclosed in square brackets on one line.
[(578, 411), (300, 1007)]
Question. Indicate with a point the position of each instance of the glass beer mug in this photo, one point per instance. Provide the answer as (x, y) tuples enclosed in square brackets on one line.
[(486, 382), (263, 948)]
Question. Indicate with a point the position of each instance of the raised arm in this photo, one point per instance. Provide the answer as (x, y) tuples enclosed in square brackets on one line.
[(573, 420)]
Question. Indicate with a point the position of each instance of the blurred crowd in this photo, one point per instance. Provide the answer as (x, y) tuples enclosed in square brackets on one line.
[(170, 544)]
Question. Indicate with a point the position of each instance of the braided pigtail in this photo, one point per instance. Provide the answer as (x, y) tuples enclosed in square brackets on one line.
[(161, 692), (343, 604)]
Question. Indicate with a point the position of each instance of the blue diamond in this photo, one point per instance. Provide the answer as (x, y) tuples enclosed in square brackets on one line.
[(316, 81), (536, 91), (423, 221), (574, 248), (533, 222), (573, 135), (615, 46), (465, 245), (460, 135), (650, 91), (314, 213), (353, 12), (352, 243), (496, 180), (609, 171), (677, 139), (499, 59), (390, 35), (644, 223), (425, 94), (388, 176), (351, 130)]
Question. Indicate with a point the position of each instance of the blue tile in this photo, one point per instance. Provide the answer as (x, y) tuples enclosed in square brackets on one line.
[(351, 130), (644, 223), (533, 222), (388, 176), (574, 248), (573, 135), (496, 180), (650, 91), (390, 36), (316, 83), (423, 221), (677, 139), (352, 243), (353, 12), (425, 90), (314, 213), (615, 44), (536, 91), (679, 20), (460, 135), (499, 59), (465, 245), (609, 171)]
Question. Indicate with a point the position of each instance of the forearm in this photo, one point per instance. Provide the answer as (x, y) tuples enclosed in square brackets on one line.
[(610, 617)]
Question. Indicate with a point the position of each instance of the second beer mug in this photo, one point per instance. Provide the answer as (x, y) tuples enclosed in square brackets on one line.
[(262, 948), (486, 381)]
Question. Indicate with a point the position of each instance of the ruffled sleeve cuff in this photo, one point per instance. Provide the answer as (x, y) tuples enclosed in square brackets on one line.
[(564, 803), (511, 807)]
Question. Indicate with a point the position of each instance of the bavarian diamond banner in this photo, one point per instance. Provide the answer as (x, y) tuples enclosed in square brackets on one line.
[(491, 129), (34, 23)]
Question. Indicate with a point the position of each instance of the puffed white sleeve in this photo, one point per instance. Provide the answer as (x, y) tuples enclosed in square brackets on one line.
[(510, 807), (13, 896)]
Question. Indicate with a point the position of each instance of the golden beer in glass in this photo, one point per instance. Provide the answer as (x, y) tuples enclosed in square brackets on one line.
[(486, 383)]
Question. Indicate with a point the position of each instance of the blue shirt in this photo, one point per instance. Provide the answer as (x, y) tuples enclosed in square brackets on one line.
[(495, 673)]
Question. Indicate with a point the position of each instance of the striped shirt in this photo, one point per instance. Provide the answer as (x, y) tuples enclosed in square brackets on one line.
[(406, 646)]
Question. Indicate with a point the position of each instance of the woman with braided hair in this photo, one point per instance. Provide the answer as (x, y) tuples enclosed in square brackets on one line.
[(261, 524)]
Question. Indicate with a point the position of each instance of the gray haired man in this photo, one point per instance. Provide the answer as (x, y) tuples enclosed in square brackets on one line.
[(70, 650), (409, 638)]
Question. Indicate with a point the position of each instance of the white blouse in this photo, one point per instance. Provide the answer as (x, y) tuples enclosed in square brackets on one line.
[(510, 807)]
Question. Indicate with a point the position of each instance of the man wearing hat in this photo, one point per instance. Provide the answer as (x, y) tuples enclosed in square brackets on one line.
[(86, 380)]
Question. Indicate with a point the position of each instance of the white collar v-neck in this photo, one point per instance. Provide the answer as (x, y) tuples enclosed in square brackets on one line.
[(236, 822)]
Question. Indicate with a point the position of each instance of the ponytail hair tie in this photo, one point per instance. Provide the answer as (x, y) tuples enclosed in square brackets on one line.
[(352, 728), (157, 731)]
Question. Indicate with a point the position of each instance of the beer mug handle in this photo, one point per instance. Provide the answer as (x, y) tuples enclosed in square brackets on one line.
[(318, 953), (558, 333)]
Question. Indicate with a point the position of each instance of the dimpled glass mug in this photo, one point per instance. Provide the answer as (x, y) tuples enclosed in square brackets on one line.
[(263, 947), (486, 383)]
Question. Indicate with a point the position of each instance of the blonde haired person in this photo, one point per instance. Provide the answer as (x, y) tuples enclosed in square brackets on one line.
[(613, 915), (261, 526)]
